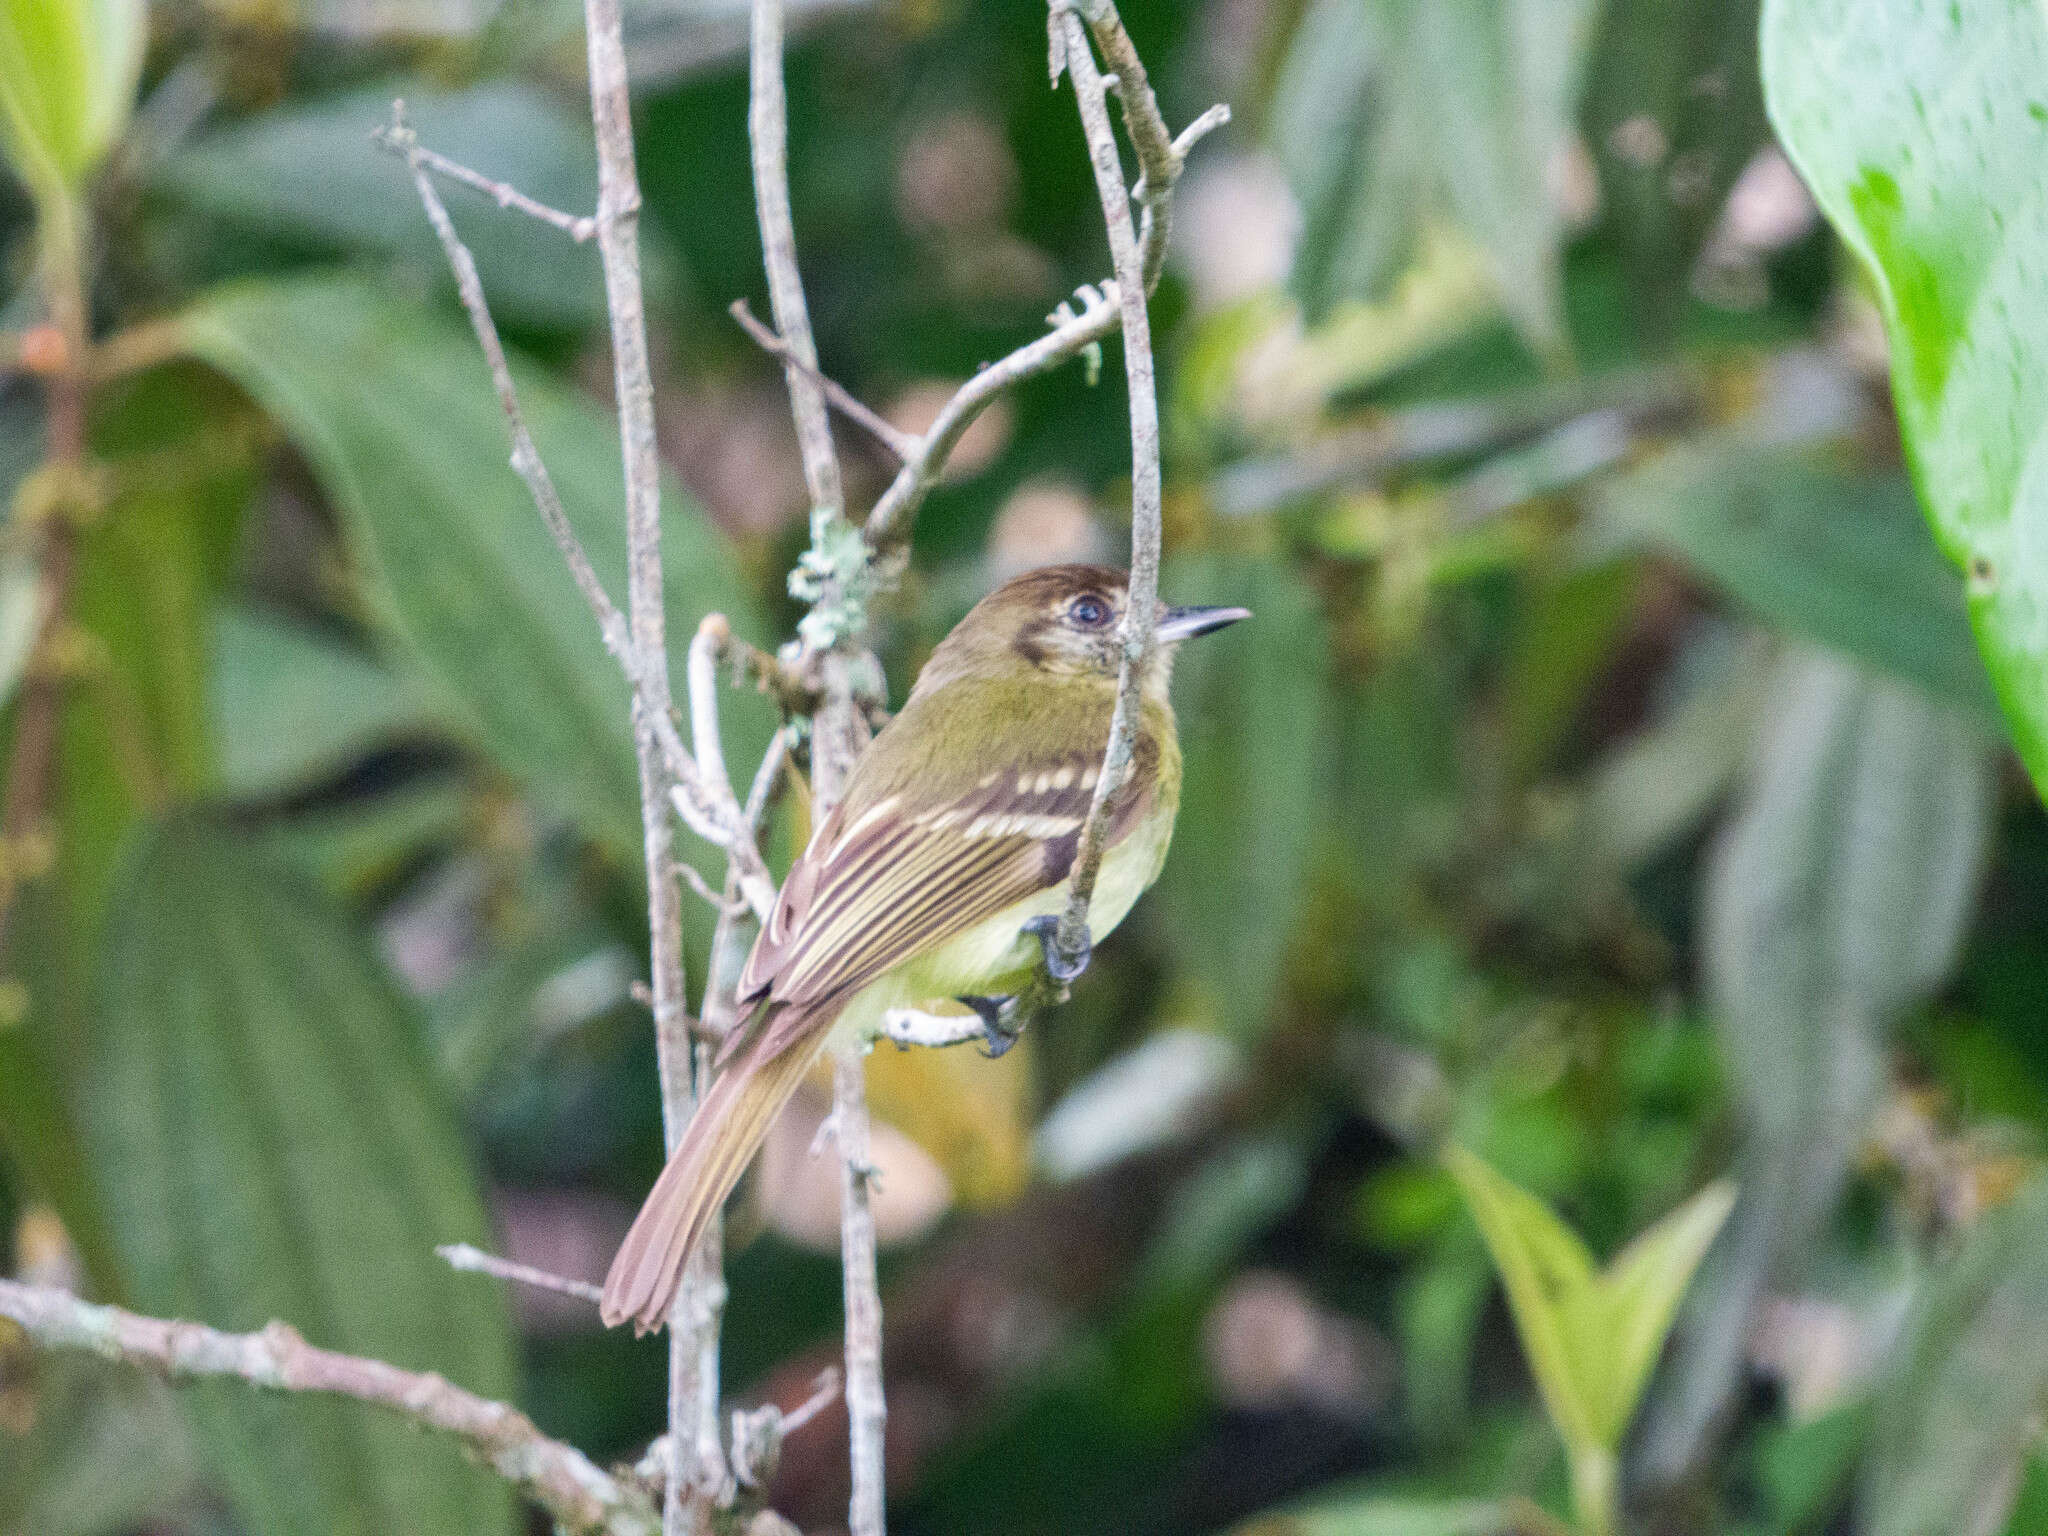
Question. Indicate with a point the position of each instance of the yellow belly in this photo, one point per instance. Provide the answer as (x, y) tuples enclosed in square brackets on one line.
[(995, 957)]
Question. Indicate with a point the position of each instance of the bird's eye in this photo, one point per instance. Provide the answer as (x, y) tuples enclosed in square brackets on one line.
[(1089, 612)]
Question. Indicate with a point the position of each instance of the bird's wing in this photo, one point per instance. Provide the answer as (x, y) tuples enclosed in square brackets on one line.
[(916, 854)]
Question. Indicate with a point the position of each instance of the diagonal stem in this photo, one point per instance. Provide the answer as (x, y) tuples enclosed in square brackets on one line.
[(576, 1493), (1070, 42)]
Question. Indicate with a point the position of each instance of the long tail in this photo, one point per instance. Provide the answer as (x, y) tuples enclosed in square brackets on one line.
[(719, 1142)]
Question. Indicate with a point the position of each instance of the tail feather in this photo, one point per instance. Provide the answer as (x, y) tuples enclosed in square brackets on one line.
[(730, 1123)]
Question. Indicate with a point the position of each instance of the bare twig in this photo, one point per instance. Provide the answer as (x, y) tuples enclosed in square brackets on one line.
[(883, 431), (768, 135), (909, 1026), (889, 522), (1160, 154), (618, 243), (707, 809), (758, 1433), (578, 227), (1070, 44), (474, 1260), (526, 459), (712, 633), (575, 1492), (867, 1408), (836, 730)]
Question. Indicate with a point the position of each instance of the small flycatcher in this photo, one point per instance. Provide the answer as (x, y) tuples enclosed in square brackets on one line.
[(939, 875)]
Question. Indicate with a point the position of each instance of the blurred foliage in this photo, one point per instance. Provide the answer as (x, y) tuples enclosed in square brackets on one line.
[(1609, 783)]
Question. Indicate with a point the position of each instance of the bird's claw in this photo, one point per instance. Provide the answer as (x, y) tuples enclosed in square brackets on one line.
[(997, 1028), (1061, 970)]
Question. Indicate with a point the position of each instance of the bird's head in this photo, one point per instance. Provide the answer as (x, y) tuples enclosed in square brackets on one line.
[(1063, 622)]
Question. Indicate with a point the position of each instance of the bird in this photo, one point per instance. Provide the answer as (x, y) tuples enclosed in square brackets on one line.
[(940, 874)]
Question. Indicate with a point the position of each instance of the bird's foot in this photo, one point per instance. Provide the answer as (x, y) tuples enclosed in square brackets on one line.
[(998, 1025), (1057, 966)]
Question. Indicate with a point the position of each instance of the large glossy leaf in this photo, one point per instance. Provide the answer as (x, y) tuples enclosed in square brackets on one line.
[(1921, 126), (1393, 114), (1254, 708), (1811, 548), (254, 174), (393, 409), (263, 1123), (1962, 1407), (1837, 896), (67, 82)]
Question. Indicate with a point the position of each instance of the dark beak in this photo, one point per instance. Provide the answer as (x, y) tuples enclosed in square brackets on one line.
[(1186, 623)]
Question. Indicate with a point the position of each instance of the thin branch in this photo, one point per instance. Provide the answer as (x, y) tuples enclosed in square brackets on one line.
[(758, 1434), (885, 432), (697, 1327), (574, 1491), (707, 809), (1070, 42), (1159, 156), (889, 522), (526, 459), (578, 227), (618, 243), (909, 1026), (768, 136), (702, 683), (475, 1261), (867, 1409), (836, 730)]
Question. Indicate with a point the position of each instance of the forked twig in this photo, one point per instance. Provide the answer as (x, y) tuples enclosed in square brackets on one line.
[(882, 430)]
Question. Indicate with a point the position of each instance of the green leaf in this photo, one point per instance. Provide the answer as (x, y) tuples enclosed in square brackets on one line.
[(1961, 1410), (1254, 706), (1921, 126), (1392, 115), (258, 174), (263, 1124), (1836, 897), (1640, 1292), (290, 707), (67, 83), (1387, 1514), (1818, 551), (393, 409), (181, 453), (1548, 1275), (1592, 1338)]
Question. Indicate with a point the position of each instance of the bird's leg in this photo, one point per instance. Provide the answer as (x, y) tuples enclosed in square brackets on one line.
[(998, 1027), (1057, 966)]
